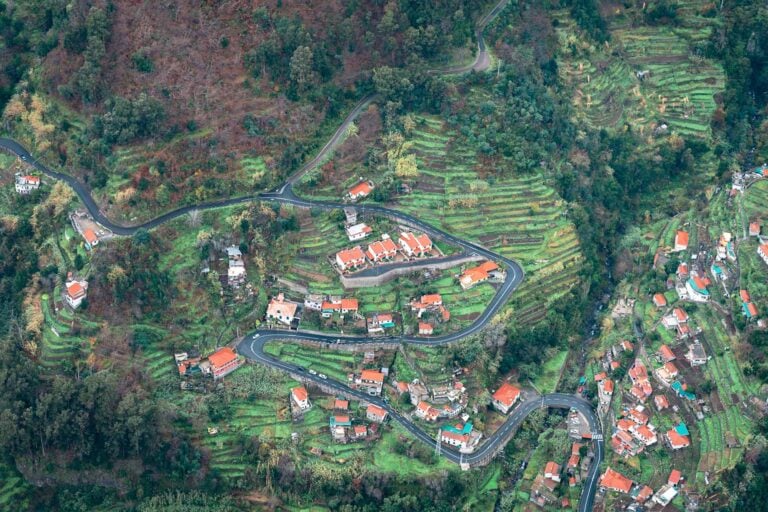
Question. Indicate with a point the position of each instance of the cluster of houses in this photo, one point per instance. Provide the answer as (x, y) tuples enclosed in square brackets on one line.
[(342, 426), (360, 191), (429, 309), (408, 244), (748, 307), (330, 305), (546, 481), (217, 365), (438, 401), (633, 432), (612, 480), (678, 320), (345, 430), (26, 184)]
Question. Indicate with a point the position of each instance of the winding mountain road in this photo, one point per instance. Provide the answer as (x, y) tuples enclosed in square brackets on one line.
[(252, 345)]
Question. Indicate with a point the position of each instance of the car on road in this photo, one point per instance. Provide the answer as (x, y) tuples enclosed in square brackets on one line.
[(323, 376), (312, 372)]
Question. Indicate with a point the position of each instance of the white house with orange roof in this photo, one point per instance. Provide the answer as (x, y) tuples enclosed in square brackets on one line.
[(415, 246), (91, 240), (762, 250), (361, 190), (425, 329), (358, 231), (75, 292), (223, 362), (300, 398), (383, 249), (350, 258), (25, 184), (426, 411), (505, 397), (433, 301), (376, 413), (681, 241), (281, 310), (371, 381), (478, 274)]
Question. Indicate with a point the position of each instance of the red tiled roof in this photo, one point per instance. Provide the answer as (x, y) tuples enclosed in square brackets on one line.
[(350, 255), (488, 266), (340, 404), (376, 411), (700, 283), (674, 477), (300, 393), (90, 236), (661, 401), (659, 300), (75, 290), (372, 375), (644, 432), (431, 299), (666, 353), (362, 188), (506, 394), (573, 461), (682, 269), (350, 304), (614, 365), (425, 328), (763, 248), (402, 386), (627, 345), (222, 356), (624, 424), (645, 493), (754, 227), (380, 248), (676, 440), (671, 368), (681, 238), (600, 376), (681, 315), (552, 468), (614, 480), (360, 429), (608, 386), (752, 309), (744, 294)]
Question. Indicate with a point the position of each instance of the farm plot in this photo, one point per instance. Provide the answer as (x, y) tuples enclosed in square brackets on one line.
[(334, 364), (518, 216), (678, 86)]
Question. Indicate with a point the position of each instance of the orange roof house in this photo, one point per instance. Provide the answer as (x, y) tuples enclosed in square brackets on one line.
[(681, 241), (341, 405), (677, 441), (615, 481), (75, 290), (600, 376), (475, 275), (754, 228), (661, 402), (372, 376), (415, 245), (425, 329), (375, 413), (666, 353), (505, 397), (347, 258), (744, 294), (380, 249), (659, 300), (90, 237), (223, 362), (674, 477), (360, 190)]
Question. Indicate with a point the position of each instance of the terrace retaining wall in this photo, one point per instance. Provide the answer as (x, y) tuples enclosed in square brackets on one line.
[(388, 275)]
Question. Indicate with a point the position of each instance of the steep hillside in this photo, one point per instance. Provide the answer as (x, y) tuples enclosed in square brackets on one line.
[(214, 98)]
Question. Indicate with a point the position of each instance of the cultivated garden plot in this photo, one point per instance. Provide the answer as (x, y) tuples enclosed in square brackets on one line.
[(675, 85)]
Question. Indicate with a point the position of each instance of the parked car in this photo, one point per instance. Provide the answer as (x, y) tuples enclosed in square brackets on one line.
[(312, 372), (323, 376)]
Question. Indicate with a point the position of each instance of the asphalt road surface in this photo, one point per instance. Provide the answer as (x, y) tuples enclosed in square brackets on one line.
[(252, 345)]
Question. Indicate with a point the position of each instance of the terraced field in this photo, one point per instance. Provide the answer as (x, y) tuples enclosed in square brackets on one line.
[(13, 489), (679, 90), (518, 216), (58, 346), (716, 455)]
